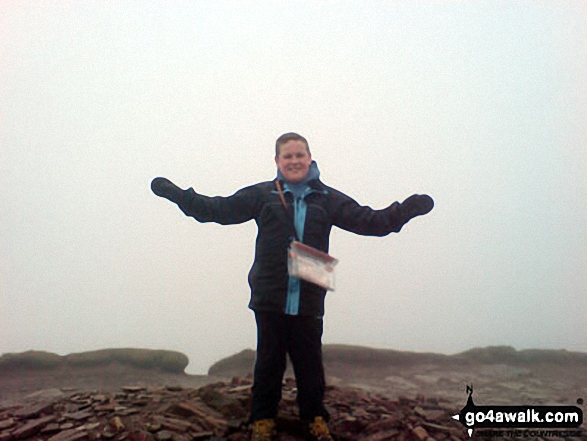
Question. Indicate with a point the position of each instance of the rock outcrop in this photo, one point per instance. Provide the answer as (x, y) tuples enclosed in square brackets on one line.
[(168, 361), (341, 359), (373, 395)]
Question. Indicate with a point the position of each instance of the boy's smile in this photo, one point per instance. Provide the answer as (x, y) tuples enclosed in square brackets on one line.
[(293, 161)]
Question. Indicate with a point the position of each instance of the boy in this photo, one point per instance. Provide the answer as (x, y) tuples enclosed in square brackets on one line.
[(288, 311)]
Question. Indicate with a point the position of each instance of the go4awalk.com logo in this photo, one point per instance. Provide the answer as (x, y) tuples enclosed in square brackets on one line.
[(520, 421)]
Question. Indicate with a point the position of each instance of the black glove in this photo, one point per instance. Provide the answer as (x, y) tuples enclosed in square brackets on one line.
[(416, 205), (166, 189)]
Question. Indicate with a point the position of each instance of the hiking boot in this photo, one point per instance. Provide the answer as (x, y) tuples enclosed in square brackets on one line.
[(263, 430), (319, 430)]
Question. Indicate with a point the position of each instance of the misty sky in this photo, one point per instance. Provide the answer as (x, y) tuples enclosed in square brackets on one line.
[(481, 104)]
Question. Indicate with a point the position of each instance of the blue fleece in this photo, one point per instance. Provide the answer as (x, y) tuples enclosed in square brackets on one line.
[(299, 192), (313, 173)]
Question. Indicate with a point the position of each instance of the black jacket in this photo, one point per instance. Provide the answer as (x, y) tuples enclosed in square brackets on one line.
[(326, 207)]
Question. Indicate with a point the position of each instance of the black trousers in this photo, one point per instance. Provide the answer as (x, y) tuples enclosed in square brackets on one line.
[(301, 338)]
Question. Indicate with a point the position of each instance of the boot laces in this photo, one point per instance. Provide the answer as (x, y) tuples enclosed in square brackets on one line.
[(263, 430), (319, 430)]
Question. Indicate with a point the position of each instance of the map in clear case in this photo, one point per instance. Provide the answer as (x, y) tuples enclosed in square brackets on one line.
[(311, 265)]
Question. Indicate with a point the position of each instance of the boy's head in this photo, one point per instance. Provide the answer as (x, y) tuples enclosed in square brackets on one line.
[(292, 157), (291, 136)]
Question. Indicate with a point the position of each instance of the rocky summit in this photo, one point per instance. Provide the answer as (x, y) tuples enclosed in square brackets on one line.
[(218, 411), (372, 395)]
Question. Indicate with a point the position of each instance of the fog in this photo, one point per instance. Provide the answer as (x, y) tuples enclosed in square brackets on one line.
[(482, 105)]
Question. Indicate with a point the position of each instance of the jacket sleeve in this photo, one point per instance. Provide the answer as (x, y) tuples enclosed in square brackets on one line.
[(359, 219), (238, 208)]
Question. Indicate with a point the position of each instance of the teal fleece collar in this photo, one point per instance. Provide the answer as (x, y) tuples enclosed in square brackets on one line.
[(313, 174)]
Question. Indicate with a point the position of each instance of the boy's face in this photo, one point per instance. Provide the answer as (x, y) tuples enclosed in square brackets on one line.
[(293, 161)]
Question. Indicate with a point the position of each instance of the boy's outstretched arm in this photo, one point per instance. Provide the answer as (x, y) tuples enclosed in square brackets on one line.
[(240, 207), (364, 220)]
